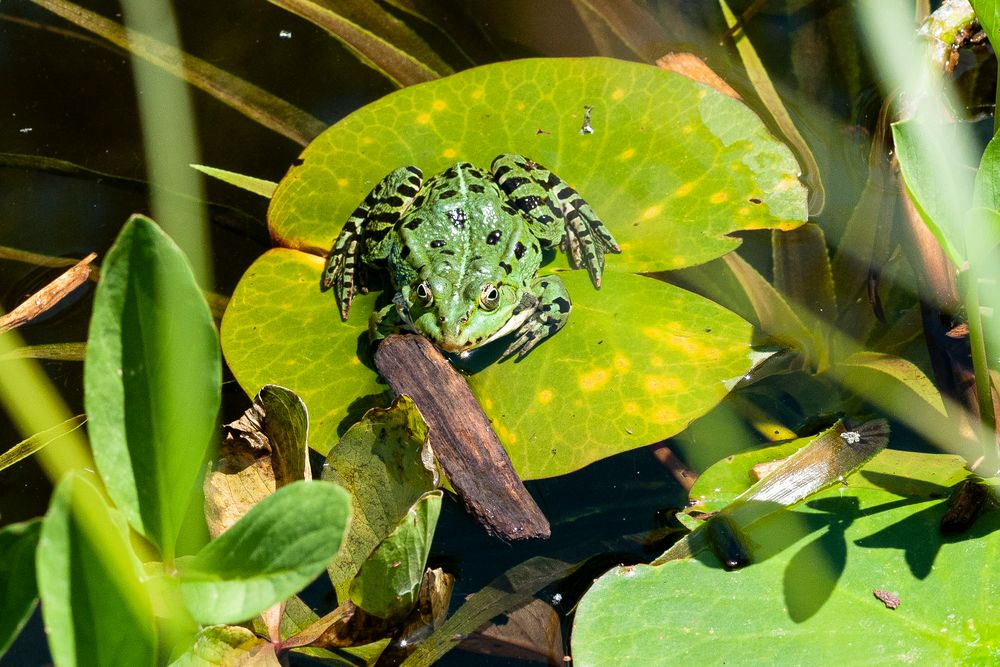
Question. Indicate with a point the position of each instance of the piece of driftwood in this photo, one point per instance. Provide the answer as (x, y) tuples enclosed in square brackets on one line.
[(461, 436)]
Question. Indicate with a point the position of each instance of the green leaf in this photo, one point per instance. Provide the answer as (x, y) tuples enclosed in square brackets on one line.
[(228, 645), (988, 13), (96, 611), (258, 186), (151, 381), (255, 103), (18, 592), (389, 581), (810, 590), (277, 548), (672, 166), (386, 465), (802, 271), (941, 190), (893, 378)]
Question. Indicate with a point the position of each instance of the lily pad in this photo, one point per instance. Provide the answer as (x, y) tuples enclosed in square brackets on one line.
[(672, 167), (622, 373), (812, 588)]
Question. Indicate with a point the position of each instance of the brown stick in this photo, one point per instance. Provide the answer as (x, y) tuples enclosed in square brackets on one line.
[(461, 437), (48, 296)]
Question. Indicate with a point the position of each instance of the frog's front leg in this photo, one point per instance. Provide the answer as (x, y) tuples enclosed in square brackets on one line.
[(367, 236), (390, 319), (547, 306), (556, 212)]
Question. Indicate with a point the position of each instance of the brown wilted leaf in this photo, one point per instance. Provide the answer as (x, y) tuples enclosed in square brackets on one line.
[(694, 68), (264, 449)]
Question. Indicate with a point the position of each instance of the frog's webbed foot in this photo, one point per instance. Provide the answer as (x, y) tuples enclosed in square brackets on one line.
[(366, 236), (586, 240), (549, 308), (557, 213)]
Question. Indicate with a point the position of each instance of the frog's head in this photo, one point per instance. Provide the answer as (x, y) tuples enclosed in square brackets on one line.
[(463, 313)]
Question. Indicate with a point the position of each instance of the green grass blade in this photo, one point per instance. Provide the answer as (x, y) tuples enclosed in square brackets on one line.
[(258, 186), (255, 103), (772, 102), (400, 67), (29, 446)]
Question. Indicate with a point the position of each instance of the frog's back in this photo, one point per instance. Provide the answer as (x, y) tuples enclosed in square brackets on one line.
[(459, 217)]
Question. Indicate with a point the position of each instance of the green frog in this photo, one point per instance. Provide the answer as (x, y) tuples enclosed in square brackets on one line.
[(462, 250)]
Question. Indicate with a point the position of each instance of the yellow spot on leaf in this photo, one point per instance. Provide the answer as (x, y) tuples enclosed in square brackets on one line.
[(439, 105), (718, 197), (594, 380), (520, 106), (424, 118), (621, 363), (664, 415), (626, 154), (367, 141), (619, 94), (680, 260), (477, 94), (342, 182), (687, 129), (631, 408), (506, 436), (449, 153), (662, 384), (656, 362), (487, 404), (702, 93), (652, 212), (545, 396), (685, 189), (744, 211)]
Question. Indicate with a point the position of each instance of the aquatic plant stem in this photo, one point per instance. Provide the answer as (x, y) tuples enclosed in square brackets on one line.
[(990, 464)]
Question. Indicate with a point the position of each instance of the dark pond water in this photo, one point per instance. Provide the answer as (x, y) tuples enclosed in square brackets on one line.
[(72, 99)]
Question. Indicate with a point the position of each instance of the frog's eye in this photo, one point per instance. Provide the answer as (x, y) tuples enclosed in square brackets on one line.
[(490, 296), (425, 294)]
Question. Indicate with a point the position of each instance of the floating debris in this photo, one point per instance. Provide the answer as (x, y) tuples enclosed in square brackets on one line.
[(891, 600), (586, 128)]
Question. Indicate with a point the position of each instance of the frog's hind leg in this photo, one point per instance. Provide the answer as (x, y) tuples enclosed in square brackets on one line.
[(366, 234), (548, 305), (556, 212)]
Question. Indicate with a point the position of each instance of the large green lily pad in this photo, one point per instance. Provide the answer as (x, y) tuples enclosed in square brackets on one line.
[(811, 590), (672, 167)]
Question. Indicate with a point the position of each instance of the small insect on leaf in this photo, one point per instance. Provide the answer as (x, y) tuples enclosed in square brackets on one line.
[(891, 600)]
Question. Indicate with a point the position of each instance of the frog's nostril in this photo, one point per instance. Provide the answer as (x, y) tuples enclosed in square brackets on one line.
[(441, 319)]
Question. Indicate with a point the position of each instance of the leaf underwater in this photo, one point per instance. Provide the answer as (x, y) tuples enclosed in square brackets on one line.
[(638, 360)]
